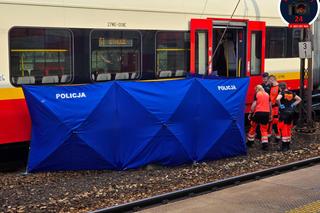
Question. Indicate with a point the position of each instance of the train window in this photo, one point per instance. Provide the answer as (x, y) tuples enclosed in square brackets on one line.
[(282, 42), (172, 54), (115, 55), (256, 48), (276, 42), (296, 38), (40, 55)]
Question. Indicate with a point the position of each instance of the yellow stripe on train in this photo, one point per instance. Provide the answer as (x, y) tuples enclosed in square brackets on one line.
[(283, 76), (11, 93), (17, 93)]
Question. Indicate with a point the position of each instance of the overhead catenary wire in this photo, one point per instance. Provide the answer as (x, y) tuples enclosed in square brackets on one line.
[(204, 7), (225, 30)]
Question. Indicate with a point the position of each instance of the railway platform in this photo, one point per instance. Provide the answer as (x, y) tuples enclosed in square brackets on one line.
[(292, 192)]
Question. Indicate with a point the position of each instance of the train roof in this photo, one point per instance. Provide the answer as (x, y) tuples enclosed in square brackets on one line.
[(222, 8)]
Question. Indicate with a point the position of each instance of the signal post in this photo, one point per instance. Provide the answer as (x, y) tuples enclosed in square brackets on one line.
[(301, 14)]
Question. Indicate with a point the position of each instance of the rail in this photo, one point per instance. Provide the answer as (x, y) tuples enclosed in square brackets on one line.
[(316, 95), (209, 187), (315, 104)]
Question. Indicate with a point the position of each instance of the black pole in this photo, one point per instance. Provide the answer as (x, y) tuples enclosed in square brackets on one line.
[(301, 120), (305, 121), (310, 123), (301, 93)]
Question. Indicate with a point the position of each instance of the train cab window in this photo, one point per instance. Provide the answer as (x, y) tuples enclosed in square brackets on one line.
[(40, 56), (172, 54), (115, 55), (256, 49)]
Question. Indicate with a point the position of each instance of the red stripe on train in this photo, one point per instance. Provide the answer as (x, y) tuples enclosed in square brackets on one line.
[(15, 123)]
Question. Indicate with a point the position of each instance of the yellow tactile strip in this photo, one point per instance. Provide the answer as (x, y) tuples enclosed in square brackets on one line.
[(309, 208)]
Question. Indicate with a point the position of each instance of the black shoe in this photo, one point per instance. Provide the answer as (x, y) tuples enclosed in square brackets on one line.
[(277, 140), (265, 146), (249, 143), (285, 146)]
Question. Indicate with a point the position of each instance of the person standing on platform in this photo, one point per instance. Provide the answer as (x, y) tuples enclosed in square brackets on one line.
[(287, 101), (260, 114), (274, 92)]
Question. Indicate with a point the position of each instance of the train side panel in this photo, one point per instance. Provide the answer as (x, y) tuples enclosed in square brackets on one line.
[(15, 122), (15, 125), (285, 69)]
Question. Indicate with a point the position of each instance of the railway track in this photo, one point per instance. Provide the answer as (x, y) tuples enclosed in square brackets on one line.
[(209, 187)]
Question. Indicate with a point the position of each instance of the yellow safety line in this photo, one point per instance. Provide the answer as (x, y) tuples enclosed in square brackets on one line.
[(309, 208), (38, 50)]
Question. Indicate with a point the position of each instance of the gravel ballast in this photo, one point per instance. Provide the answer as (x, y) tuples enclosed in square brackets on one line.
[(90, 190)]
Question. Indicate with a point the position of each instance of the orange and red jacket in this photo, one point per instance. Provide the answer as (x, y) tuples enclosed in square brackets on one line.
[(263, 102)]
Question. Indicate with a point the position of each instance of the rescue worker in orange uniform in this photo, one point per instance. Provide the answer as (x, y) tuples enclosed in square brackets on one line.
[(287, 101), (260, 114), (274, 92), (266, 86)]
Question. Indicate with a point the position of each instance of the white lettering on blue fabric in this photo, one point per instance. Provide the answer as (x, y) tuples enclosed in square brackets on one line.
[(227, 88), (74, 95)]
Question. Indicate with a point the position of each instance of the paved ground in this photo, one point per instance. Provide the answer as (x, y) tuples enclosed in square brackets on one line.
[(292, 192)]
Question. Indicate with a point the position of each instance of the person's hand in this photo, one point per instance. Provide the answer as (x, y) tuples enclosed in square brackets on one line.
[(293, 105), (250, 116), (282, 106)]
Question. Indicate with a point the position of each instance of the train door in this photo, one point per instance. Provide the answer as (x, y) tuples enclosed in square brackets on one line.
[(256, 37), (228, 48), (201, 46)]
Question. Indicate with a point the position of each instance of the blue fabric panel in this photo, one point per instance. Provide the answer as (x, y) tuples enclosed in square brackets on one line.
[(55, 118), (123, 125), (164, 148), (73, 154)]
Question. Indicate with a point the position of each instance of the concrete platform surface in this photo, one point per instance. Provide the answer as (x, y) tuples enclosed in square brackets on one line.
[(297, 191)]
